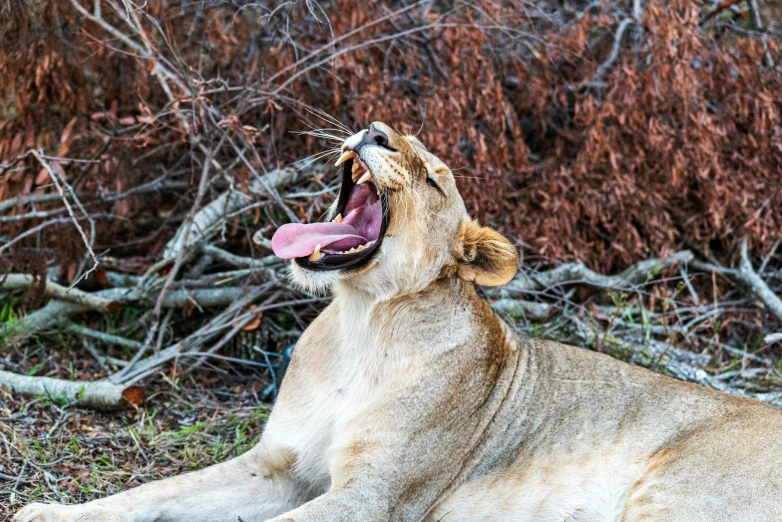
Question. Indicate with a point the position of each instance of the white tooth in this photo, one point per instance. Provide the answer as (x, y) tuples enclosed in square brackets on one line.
[(364, 178), (316, 254), (338, 219), (362, 247), (352, 250), (345, 156), (356, 172)]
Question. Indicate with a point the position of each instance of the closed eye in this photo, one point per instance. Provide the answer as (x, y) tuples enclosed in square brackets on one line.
[(431, 183)]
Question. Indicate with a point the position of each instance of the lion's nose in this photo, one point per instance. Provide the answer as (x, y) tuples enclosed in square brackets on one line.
[(377, 136)]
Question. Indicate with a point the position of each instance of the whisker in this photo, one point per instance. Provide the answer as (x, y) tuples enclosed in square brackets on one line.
[(323, 115), (316, 157), (472, 177), (422, 123), (318, 133), (314, 128)]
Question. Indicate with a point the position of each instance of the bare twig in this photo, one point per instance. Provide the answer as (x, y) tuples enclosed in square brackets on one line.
[(103, 336), (757, 23), (239, 261), (87, 242), (601, 70), (26, 200)]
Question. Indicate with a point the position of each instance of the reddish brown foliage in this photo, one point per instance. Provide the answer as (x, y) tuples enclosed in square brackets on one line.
[(677, 143)]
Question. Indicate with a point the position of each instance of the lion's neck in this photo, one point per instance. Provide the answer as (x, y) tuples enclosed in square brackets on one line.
[(441, 315)]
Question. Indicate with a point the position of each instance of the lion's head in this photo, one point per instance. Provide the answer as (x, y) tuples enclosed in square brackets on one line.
[(398, 224)]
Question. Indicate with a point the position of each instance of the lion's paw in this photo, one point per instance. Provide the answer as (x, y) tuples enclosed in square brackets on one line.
[(42, 513)]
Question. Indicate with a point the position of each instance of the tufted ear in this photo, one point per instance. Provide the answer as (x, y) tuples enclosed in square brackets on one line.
[(486, 256)]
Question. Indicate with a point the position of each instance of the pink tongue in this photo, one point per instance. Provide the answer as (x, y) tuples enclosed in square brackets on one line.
[(297, 240)]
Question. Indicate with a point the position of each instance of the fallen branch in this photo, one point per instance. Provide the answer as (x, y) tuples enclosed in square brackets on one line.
[(578, 273), (52, 289), (528, 309), (99, 395), (212, 217), (239, 261), (773, 338), (58, 312), (746, 275)]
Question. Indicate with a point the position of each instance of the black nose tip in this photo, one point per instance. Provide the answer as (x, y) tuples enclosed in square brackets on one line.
[(374, 135)]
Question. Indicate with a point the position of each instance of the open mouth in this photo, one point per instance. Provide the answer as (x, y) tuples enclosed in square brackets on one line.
[(354, 233)]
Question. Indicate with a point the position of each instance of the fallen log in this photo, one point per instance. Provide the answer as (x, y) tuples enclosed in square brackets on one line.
[(98, 395)]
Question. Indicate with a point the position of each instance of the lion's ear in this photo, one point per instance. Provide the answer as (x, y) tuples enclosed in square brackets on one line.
[(486, 256)]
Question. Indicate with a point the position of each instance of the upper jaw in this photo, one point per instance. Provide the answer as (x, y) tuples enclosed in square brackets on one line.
[(353, 142), (359, 171)]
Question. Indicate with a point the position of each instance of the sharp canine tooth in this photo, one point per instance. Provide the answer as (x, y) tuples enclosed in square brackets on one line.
[(364, 178), (316, 254), (348, 154), (338, 219), (356, 171)]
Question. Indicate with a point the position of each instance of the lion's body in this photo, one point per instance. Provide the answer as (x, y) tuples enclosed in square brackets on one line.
[(408, 399), (576, 435)]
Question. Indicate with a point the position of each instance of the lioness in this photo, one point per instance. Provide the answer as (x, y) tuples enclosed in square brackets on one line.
[(407, 399)]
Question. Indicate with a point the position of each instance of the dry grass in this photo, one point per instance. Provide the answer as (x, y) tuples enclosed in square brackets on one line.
[(54, 453)]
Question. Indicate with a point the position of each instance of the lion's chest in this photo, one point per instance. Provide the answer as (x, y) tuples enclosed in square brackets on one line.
[(317, 428)]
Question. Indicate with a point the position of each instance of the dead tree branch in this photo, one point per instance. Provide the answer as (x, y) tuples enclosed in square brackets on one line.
[(212, 217), (578, 273), (746, 275), (99, 395), (52, 289), (58, 312)]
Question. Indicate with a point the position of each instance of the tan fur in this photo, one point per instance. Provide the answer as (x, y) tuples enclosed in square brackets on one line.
[(407, 399)]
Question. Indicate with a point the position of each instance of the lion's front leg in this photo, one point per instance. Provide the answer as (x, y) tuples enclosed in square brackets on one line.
[(253, 487), (339, 506)]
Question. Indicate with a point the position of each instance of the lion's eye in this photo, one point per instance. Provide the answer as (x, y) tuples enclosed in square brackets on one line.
[(431, 183)]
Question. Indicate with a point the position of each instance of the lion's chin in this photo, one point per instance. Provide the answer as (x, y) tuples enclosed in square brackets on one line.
[(313, 282)]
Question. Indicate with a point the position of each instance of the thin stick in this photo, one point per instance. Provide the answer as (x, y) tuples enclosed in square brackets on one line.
[(87, 242)]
